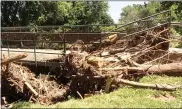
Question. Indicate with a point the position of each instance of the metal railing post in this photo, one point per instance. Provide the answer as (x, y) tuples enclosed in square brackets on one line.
[(21, 43), (100, 41), (35, 51), (101, 37), (64, 42), (169, 25), (170, 18), (8, 49)]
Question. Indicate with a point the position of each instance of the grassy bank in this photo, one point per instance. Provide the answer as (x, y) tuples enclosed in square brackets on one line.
[(127, 97)]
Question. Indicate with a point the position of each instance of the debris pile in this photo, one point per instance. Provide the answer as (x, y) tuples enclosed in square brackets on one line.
[(98, 67), (22, 81), (129, 57)]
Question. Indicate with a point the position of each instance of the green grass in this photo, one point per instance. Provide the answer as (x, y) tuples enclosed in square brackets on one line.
[(127, 97), (176, 44)]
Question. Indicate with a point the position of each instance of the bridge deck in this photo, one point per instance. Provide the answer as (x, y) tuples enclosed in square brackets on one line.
[(41, 55)]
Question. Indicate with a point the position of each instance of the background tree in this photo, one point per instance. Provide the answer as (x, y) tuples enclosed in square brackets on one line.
[(134, 12), (23, 13), (176, 11)]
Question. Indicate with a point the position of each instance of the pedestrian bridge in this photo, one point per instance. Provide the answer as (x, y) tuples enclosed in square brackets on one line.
[(42, 46)]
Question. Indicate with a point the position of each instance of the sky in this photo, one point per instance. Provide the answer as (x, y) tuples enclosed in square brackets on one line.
[(116, 6)]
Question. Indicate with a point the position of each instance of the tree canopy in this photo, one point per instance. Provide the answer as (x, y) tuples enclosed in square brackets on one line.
[(135, 12), (24, 13)]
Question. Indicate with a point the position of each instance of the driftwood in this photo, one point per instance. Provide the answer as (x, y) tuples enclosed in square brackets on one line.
[(146, 85), (12, 59)]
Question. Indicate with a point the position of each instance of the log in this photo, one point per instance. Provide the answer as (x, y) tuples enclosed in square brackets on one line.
[(111, 39), (164, 68), (95, 61), (152, 86), (112, 36), (15, 58), (123, 68)]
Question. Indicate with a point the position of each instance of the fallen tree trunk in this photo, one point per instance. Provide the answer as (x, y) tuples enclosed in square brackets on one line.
[(146, 85), (12, 59), (164, 68)]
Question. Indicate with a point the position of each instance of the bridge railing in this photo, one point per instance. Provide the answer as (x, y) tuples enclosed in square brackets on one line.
[(22, 37), (144, 24)]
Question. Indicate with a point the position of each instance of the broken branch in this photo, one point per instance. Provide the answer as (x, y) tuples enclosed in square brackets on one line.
[(18, 57), (31, 88), (146, 85)]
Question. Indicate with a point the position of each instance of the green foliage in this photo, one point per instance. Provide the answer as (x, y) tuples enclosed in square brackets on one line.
[(131, 13), (23, 13), (107, 28), (134, 12), (20, 13), (176, 8), (176, 11), (89, 13), (175, 43)]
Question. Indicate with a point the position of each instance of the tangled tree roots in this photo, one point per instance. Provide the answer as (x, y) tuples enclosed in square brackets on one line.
[(44, 90)]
